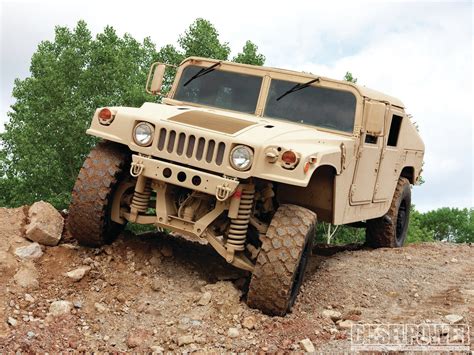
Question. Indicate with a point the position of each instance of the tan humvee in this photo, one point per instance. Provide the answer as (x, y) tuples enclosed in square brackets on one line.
[(245, 157)]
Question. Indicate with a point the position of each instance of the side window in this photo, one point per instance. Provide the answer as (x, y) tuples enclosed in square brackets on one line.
[(394, 131)]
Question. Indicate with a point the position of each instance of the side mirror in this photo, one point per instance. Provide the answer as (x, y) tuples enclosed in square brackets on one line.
[(155, 78), (374, 117)]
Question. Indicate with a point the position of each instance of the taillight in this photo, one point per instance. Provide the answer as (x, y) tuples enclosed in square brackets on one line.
[(105, 114), (289, 157)]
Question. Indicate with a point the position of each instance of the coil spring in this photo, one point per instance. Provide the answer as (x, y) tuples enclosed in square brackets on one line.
[(140, 199), (239, 226)]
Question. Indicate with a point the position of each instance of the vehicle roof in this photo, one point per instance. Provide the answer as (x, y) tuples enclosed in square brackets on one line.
[(364, 91)]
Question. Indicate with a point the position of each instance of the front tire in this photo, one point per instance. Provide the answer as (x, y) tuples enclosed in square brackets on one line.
[(282, 260), (390, 230), (89, 220)]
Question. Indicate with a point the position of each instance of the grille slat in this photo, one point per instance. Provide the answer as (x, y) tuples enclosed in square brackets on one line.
[(191, 147)]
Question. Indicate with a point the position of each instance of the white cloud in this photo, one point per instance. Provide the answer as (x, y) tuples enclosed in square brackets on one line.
[(420, 52)]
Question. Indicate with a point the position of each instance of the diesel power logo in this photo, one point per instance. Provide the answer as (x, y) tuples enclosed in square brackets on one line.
[(410, 337)]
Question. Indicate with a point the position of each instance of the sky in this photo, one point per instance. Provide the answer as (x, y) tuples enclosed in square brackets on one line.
[(420, 52)]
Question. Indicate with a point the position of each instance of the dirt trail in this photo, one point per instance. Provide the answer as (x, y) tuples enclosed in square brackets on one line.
[(156, 290)]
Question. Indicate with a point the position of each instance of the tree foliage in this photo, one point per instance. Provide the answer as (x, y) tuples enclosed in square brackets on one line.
[(250, 55), (44, 143), (450, 224), (350, 78)]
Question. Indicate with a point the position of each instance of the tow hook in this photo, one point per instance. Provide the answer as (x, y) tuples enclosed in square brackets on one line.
[(223, 192), (136, 168)]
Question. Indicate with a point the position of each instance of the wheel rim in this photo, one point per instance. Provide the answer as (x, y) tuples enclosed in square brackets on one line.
[(401, 220)]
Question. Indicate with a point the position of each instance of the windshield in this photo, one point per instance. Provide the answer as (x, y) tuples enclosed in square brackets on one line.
[(317, 106), (217, 88)]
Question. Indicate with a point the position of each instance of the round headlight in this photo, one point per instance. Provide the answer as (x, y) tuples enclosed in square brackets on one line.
[(143, 134), (241, 157)]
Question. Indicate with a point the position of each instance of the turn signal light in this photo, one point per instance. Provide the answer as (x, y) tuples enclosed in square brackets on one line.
[(105, 114), (289, 157)]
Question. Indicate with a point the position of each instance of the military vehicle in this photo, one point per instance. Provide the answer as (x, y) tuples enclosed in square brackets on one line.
[(245, 157)]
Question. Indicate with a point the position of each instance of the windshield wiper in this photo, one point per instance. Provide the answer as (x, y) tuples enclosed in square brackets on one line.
[(297, 87), (202, 72)]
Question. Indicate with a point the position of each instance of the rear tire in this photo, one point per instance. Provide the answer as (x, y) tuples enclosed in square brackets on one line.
[(390, 230), (89, 220), (282, 260)]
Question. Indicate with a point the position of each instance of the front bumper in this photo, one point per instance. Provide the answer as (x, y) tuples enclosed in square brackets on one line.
[(220, 186)]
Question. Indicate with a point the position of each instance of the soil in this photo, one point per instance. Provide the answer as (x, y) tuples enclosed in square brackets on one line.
[(165, 293)]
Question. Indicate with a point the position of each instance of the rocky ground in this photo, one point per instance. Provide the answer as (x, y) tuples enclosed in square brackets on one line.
[(162, 293)]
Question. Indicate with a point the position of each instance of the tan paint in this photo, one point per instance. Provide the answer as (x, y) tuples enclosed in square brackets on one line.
[(351, 177)]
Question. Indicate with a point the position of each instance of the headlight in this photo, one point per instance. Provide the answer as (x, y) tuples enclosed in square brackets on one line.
[(143, 134), (241, 157)]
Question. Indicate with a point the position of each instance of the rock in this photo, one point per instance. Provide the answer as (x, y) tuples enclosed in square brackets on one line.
[(205, 299), (29, 298), (454, 260), (100, 307), (46, 224), (30, 334), (7, 262), (307, 345), (408, 257), (185, 340), (137, 337), (88, 261), (77, 304), (453, 318), (345, 324), (12, 321), (27, 277), (155, 260), (157, 349), (249, 322), (167, 251), (233, 333), (58, 308), (155, 285), (121, 298), (29, 252), (332, 314), (78, 273)]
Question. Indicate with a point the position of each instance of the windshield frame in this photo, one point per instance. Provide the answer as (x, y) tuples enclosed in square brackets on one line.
[(268, 74)]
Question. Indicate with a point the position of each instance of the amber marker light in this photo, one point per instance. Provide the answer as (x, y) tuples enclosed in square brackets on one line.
[(105, 114), (289, 157)]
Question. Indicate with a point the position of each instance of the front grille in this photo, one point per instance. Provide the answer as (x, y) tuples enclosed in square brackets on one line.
[(190, 146)]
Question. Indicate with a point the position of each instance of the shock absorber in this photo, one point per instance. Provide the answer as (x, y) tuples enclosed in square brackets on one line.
[(239, 225), (141, 197)]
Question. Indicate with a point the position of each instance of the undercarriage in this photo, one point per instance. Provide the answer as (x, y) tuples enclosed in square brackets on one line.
[(198, 204)]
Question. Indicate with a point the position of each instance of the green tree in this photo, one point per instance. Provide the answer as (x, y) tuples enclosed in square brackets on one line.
[(450, 224), (350, 78), (202, 38), (249, 55), (44, 142), (417, 233)]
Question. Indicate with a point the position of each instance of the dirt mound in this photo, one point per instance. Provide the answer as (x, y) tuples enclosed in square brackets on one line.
[(160, 293)]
